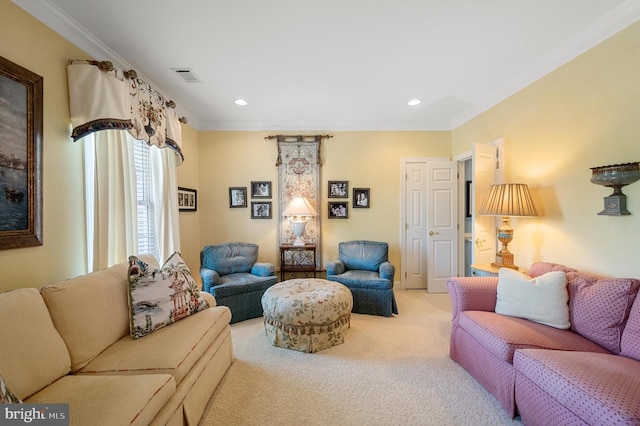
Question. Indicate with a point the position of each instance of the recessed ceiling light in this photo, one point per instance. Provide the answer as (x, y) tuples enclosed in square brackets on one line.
[(240, 102), (414, 102)]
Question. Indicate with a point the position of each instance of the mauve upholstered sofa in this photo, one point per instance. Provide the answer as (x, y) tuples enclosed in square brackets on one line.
[(586, 375)]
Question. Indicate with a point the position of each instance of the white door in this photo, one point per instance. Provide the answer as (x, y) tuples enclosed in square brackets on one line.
[(483, 235), (415, 241), (442, 224)]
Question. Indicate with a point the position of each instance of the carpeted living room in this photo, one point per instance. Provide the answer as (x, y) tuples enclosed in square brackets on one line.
[(139, 141), (390, 371)]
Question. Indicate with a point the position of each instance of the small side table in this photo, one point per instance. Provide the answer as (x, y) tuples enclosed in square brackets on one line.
[(297, 259), (484, 270)]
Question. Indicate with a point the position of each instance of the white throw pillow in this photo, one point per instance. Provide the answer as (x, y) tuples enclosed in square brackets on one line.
[(543, 299)]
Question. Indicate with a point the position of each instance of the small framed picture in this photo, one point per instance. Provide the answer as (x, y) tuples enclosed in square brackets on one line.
[(187, 199), (260, 189), (338, 209), (237, 197), (361, 198), (261, 210), (338, 189)]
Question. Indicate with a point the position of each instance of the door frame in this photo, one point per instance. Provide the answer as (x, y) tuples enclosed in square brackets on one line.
[(460, 159), (403, 214)]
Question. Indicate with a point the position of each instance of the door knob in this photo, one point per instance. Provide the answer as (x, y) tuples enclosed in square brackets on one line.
[(433, 233)]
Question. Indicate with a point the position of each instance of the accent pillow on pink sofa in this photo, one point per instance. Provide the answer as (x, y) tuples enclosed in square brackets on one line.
[(599, 307), (541, 299)]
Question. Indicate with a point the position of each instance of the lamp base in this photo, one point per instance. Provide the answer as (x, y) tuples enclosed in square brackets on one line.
[(298, 230), (504, 260)]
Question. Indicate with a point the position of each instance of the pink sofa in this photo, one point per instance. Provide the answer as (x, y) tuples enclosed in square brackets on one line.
[(588, 374)]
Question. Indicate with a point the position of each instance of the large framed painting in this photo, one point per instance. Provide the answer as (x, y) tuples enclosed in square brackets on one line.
[(20, 156)]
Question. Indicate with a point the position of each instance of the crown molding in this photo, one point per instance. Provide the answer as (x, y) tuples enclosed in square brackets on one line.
[(348, 125), (627, 13)]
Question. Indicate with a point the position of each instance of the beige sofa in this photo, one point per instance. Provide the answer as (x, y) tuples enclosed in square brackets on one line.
[(70, 343)]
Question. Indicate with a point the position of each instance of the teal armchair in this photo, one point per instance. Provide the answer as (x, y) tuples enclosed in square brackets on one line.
[(232, 274), (364, 267)]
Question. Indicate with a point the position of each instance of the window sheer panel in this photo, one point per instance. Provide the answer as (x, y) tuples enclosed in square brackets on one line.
[(165, 192), (112, 208)]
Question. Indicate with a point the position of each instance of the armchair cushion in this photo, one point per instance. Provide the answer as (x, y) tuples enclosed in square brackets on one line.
[(230, 258), (363, 255), (364, 279)]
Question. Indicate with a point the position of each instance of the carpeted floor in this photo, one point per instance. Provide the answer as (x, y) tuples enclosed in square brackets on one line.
[(390, 371)]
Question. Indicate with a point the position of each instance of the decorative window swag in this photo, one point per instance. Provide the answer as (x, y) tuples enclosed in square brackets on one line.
[(103, 97)]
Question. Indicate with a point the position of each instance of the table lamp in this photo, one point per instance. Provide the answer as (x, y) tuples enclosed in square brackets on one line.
[(299, 212), (507, 199)]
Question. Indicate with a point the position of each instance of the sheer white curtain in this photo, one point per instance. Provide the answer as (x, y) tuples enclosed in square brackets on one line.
[(110, 191), (111, 199), (164, 182)]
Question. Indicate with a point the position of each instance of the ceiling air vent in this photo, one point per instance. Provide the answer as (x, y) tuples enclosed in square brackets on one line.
[(187, 75)]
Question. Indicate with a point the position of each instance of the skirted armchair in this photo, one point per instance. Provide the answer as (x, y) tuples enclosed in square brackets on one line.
[(364, 268), (232, 274)]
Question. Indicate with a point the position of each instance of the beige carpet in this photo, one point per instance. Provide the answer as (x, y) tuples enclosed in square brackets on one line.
[(390, 371)]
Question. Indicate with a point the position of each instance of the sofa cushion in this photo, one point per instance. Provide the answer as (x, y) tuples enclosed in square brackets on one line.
[(542, 299), (630, 341), (114, 400), (171, 350), (600, 307), (32, 353), (159, 297), (503, 335), (91, 311), (6, 396), (598, 388)]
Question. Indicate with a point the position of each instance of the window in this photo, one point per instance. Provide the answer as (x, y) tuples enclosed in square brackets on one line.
[(131, 195), (146, 210)]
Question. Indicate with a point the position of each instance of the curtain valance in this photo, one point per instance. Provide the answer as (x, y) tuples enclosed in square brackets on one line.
[(103, 97)]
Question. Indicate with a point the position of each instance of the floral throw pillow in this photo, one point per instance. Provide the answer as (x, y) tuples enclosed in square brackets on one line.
[(6, 396), (158, 297)]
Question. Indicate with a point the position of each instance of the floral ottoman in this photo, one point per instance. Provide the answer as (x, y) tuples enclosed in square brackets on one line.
[(307, 314)]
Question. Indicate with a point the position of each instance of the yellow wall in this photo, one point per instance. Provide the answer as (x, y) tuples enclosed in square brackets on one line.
[(584, 114), (30, 44), (188, 177), (364, 159)]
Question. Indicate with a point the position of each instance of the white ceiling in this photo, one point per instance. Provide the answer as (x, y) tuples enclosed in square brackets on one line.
[(336, 64)]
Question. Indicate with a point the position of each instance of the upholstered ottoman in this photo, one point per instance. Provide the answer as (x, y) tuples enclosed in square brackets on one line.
[(307, 314)]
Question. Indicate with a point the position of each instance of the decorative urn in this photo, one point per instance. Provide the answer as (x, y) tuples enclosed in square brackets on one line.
[(616, 176)]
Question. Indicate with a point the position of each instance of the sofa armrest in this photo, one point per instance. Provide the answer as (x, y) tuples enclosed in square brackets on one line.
[(335, 267), (387, 271), (263, 269), (209, 298), (209, 278), (472, 294)]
